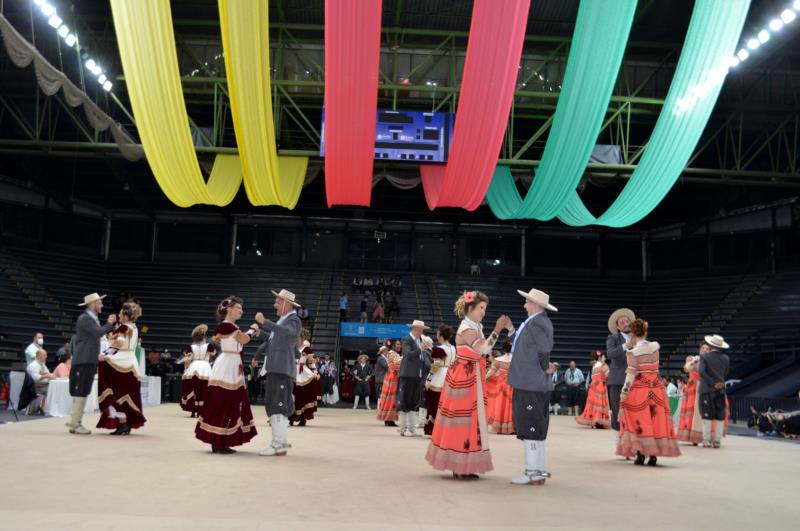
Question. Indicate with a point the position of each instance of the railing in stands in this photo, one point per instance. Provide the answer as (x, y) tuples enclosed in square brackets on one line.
[(740, 407), (765, 345)]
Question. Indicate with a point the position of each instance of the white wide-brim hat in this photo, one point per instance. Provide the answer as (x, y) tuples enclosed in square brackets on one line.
[(539, 297), (92, 297), (420, 324), (286, 295), (716, 341), (622, 312)]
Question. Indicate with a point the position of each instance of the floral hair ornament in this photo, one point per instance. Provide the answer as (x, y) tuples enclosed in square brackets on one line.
[(225, 303), (469, 297)]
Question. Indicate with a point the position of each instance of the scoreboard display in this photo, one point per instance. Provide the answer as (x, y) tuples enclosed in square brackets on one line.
[(409, 136)]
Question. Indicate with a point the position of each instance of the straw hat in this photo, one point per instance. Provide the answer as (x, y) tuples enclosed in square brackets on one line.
[(200, 329), (288, 296), (539, 297), (622, 312), (92, 297), (420, 324), (716, 341)]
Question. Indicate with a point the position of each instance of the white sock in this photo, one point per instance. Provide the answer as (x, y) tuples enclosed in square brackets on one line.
[(367, 400), (719, 428), (530, 455), (355, 405), (706, 431), (540, 455)]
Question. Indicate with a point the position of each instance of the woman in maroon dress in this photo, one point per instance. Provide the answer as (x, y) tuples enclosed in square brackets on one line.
[(118, 386)]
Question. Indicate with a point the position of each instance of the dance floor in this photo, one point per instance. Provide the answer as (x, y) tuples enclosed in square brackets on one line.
[(348, 471)]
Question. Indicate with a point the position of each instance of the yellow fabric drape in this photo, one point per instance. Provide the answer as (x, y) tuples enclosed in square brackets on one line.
[(268, 178), (149, 59), (225, 178)]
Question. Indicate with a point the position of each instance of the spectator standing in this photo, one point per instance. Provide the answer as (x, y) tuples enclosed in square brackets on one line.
[(343, 302), (574, 379), (31, 350)]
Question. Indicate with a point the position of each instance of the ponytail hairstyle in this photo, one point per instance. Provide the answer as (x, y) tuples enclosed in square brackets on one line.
[(222, 307), (469, 300), (131, 310), (639, 328)]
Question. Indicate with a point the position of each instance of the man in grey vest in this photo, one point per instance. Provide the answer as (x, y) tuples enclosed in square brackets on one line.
[(713, 368), (617, 343), (529, 377), (281, 368), (85, 357), (411, 374)]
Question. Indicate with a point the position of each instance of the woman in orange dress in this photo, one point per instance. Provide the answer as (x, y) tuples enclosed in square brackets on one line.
[(499, 410), (690, 425), (646, 428), (460, 439), (387, 407), (596, 413)]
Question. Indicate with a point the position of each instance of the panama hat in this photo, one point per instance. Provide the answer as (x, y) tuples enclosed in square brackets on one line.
[(716, 341), (539, 297), (92, 297), (288, 296), (420, 324), (622, 312)]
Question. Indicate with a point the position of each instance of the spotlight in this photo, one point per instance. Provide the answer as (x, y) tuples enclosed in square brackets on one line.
[(788, 16), (63, 31), (796, 5), (71, 40), (742, 54), (90, 64), (107, 86), (733, 61), (38, 2), (102, 79), (763, 36), (96, 70), (55, 21), (753, 44), (47, 9), (775, 24)]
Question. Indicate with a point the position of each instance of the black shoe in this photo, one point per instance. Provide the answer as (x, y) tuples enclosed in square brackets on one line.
[(652, 461), (122, 429), (291, 423), (222, 450), (390, 423), (639, 459), (194, 415), (302, 422)]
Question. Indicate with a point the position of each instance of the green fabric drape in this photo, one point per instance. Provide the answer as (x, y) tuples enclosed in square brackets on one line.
[(711, 40), (598, 45)]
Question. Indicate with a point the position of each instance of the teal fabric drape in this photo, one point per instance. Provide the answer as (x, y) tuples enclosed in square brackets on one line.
[(598, 45), (711, 40)]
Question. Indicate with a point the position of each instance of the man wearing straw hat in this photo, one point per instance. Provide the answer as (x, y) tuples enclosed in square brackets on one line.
[(85, 354), (529, 377), (617, 344), (412, 371), (713, 368), (280, 367)]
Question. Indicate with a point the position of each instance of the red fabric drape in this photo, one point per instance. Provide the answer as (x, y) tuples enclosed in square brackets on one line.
[(495, 43), (352, 57)]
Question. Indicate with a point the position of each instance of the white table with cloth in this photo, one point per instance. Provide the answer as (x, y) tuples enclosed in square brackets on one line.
[(59, 401)]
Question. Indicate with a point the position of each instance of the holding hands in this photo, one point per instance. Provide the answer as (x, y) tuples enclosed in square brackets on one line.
[(112, 318), (260, 318)]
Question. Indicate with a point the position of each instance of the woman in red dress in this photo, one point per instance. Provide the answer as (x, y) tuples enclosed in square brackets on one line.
[(118, 386), (499, 410), (460, 439), (387, 407), (226, 419), (690, 425), (443, 356), (646, 428), (195, 377), (596, 413)]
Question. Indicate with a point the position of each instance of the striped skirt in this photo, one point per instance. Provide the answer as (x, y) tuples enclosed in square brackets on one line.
[(596, 414)]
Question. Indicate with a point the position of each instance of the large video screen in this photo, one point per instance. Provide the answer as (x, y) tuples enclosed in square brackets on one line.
[(409, 136)]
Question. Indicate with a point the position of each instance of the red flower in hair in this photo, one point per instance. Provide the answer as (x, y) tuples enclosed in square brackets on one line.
[(469, 297)]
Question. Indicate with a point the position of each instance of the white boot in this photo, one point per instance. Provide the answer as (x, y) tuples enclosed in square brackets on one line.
[(719, 429), (76, 416), (402, 420), (367, 401), (422, 417), (280, 436), (534, 461), (355, 404), (411, 423), (707, 434)]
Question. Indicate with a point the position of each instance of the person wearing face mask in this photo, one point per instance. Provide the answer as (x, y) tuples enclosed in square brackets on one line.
[(280, 368), (31, 350), (225, 418)]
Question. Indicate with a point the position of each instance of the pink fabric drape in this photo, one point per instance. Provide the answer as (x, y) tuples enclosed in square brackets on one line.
[(352, 57), (496, 35)]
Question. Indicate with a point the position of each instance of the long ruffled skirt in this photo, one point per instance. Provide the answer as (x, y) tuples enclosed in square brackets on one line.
[(645, 421), (387, 410), (596, 414), (500, 414), (119, 393), (459, 440), (225, 418)]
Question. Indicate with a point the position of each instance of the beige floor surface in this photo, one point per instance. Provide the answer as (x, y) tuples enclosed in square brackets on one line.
[(347, 471)]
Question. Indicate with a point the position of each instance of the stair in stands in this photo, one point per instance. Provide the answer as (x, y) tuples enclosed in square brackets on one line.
[(41, 299), (715, 320)]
